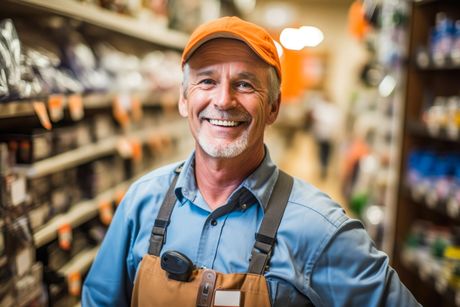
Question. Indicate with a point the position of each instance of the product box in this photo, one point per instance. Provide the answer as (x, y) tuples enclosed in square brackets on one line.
[(64, 139), (29, 147), (103, 126)]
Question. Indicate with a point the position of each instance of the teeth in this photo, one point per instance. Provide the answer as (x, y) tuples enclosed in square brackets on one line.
[(225, 123)]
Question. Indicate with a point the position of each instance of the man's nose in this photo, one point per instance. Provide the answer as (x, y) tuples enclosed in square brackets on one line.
[(225, 98)]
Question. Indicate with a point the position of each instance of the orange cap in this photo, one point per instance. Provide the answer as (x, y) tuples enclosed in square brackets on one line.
[(256, 37)]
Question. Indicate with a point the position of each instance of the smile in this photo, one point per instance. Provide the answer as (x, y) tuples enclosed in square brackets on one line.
[(224, 123)]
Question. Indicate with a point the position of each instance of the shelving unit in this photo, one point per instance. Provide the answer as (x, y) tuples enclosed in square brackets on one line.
[(84, 211), (424, 82), (148, 31), (92, 151), (161, 133)]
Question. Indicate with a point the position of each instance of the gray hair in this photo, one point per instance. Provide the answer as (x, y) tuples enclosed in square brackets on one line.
[(274, 84)]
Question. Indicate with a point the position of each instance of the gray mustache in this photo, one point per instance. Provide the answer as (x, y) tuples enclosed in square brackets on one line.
[(234, 115)]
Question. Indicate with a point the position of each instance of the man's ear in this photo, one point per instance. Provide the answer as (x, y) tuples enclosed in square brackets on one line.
[(274, 110), (182, 105)]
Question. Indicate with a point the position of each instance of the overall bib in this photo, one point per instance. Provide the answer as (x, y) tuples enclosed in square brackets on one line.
[(153, 287)]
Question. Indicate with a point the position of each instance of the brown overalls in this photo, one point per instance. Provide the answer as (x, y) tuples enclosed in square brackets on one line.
[(153, 287)]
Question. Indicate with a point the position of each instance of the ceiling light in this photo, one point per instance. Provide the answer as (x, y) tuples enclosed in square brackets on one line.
[(312, 36), (292, 39)]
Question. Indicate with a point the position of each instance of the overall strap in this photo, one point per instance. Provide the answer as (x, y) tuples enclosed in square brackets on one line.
[(265, 237), (158, 236)]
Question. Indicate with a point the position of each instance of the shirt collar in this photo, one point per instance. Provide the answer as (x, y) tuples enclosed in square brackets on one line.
[(260, 183)]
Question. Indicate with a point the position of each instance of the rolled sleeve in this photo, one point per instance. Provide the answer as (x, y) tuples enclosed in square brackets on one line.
[(106, 283), (352, 272)]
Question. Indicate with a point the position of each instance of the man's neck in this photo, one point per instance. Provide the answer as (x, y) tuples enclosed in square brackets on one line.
[(217, 178)]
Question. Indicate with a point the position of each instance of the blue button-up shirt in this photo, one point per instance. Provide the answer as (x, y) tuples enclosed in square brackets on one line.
[(320, 252)]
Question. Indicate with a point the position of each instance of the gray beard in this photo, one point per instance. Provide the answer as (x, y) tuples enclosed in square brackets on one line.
[(216, 150)]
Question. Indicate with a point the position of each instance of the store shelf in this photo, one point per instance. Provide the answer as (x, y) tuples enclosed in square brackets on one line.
[(24, 108), (421, 196), (16, 109), (424, 2), (419, 129), (68, 159), (77, 215), (84, 211), (144, 30), (427, 201), (92, 151), (429, 270), (433, 67), (80, 263)]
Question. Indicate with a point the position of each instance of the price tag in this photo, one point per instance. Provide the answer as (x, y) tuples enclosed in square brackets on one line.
[(42, 114), (75, 103), (56, 107), (124, 148), (74, 283), (136, 146), (121, 106), (136, 108), (105, 212), (65, 236)]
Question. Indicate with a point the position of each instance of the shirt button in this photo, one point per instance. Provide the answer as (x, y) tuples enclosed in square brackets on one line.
[(244, 206), (213, 222)]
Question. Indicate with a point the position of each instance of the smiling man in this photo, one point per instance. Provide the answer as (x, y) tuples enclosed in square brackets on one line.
[(226, 227)]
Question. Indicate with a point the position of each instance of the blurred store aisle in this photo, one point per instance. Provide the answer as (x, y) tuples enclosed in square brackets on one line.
[(298, 157)]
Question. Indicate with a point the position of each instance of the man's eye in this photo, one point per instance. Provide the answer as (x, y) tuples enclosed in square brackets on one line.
[(207, 82), (245, 86)]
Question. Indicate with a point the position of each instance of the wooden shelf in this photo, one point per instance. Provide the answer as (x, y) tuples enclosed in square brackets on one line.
[(68, 159), (86, 210), (435, 78), (80, 263), (148, 31), (24, 108), (92, 151), (427, 269), (433, 67), (77, 215), (419, 129), (445, 207)]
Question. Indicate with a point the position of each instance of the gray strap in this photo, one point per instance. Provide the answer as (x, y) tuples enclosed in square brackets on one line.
[(265, 237), (158, 236)]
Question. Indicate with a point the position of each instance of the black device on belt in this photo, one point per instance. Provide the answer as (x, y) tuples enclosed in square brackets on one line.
[(177, 265)]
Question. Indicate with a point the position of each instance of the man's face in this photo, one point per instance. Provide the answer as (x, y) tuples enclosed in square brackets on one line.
[(226, 99)]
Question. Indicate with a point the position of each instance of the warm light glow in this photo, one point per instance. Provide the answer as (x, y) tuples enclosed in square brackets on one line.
[(299, 38), (279, 49), (312, 36), (292, 39), (245, 6), (278, 15), (387, 86)]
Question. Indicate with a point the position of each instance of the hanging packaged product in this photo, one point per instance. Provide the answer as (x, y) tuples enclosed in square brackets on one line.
[(74, 283), (452, 265), (105, 212), (453, 202), (56, 107), (10, 49), (6, 289), (75, 103), (65, 236), (453, 117)]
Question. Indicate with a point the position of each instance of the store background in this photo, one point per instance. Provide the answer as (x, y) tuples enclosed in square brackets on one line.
[(88, 94)]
